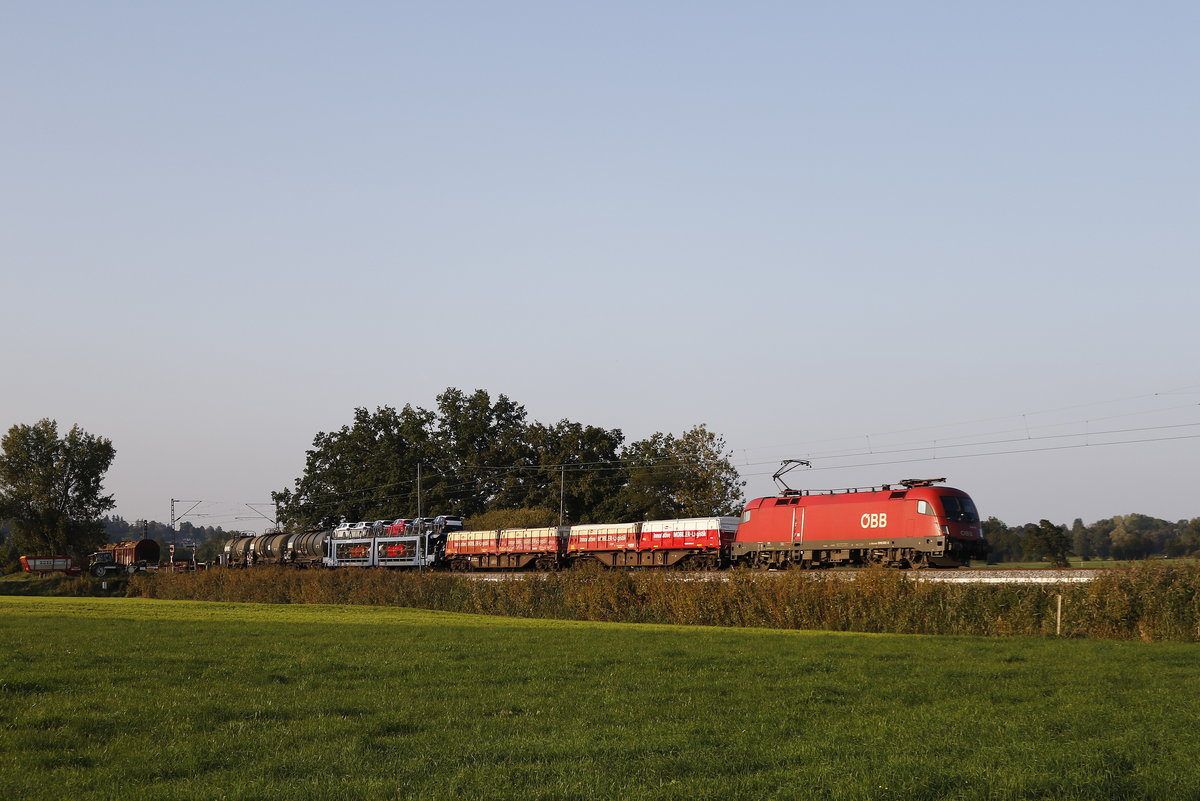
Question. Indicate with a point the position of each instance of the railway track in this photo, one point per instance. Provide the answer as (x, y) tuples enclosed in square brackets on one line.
[(960, 576)]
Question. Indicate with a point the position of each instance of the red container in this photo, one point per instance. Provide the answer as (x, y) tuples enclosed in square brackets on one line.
[(603, 537), (691, 533), (532, 540), (469, 543)]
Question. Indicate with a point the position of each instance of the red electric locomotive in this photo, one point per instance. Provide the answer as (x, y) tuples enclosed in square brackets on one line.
[(912, 524)]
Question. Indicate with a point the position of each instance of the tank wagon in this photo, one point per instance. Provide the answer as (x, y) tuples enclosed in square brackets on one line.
[(275, 548), (414, 542)]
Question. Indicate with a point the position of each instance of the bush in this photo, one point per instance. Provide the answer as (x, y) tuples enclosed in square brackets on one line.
[(1143, 602)]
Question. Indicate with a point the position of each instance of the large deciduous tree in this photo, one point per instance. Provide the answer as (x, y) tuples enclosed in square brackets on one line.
[(462, 458), (362, 471), (52, 488), (686, 476), (580, 471), (476, 455), (1049, 541)]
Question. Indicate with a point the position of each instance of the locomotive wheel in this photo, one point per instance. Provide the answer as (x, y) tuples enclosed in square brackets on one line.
[(917, 560), (876, 560)]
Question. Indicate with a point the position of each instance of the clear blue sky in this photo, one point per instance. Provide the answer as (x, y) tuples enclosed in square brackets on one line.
[(820, 228)]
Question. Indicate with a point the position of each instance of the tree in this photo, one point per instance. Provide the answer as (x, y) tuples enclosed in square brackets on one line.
[(51, 488), (689, 476), (475, 455), (1003, 542), (1099, 541), (481, 447), (1136, 536), (579, 469), (1049, 541), (364, 471), (1080, 543), (1189, 537)]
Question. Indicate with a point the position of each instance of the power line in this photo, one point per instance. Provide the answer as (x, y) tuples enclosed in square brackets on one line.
[(940, 446), (877, 435), (1003, 453)]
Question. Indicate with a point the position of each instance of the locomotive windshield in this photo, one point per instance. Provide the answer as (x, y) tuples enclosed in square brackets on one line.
[(960, 510)]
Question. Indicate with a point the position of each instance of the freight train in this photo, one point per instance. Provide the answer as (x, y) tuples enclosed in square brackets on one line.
[(411, 542), (914, 523)]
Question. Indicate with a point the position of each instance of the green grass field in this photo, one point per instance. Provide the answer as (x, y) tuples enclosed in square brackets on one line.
[(142, 699)]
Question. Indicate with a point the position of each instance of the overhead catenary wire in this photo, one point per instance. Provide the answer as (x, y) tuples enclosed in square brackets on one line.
[(1003, 453), (879, 435), (937, 445)]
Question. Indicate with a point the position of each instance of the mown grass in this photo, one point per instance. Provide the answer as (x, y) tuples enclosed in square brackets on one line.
[(145, 699)]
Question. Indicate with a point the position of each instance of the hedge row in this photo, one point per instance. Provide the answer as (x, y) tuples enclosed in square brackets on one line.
[(1151, 602)]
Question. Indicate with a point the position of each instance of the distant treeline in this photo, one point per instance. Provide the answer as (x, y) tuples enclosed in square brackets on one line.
[(1131, 536), (209, 540), (118, 529)]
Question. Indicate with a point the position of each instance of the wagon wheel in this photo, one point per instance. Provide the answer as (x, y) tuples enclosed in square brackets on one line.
[(98, 571)]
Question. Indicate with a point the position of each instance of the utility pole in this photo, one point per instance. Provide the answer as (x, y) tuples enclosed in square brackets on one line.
[(562, 485), (175, 520), (419, 510)]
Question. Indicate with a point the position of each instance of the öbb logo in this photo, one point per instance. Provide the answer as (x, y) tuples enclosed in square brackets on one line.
[(874, 520)]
